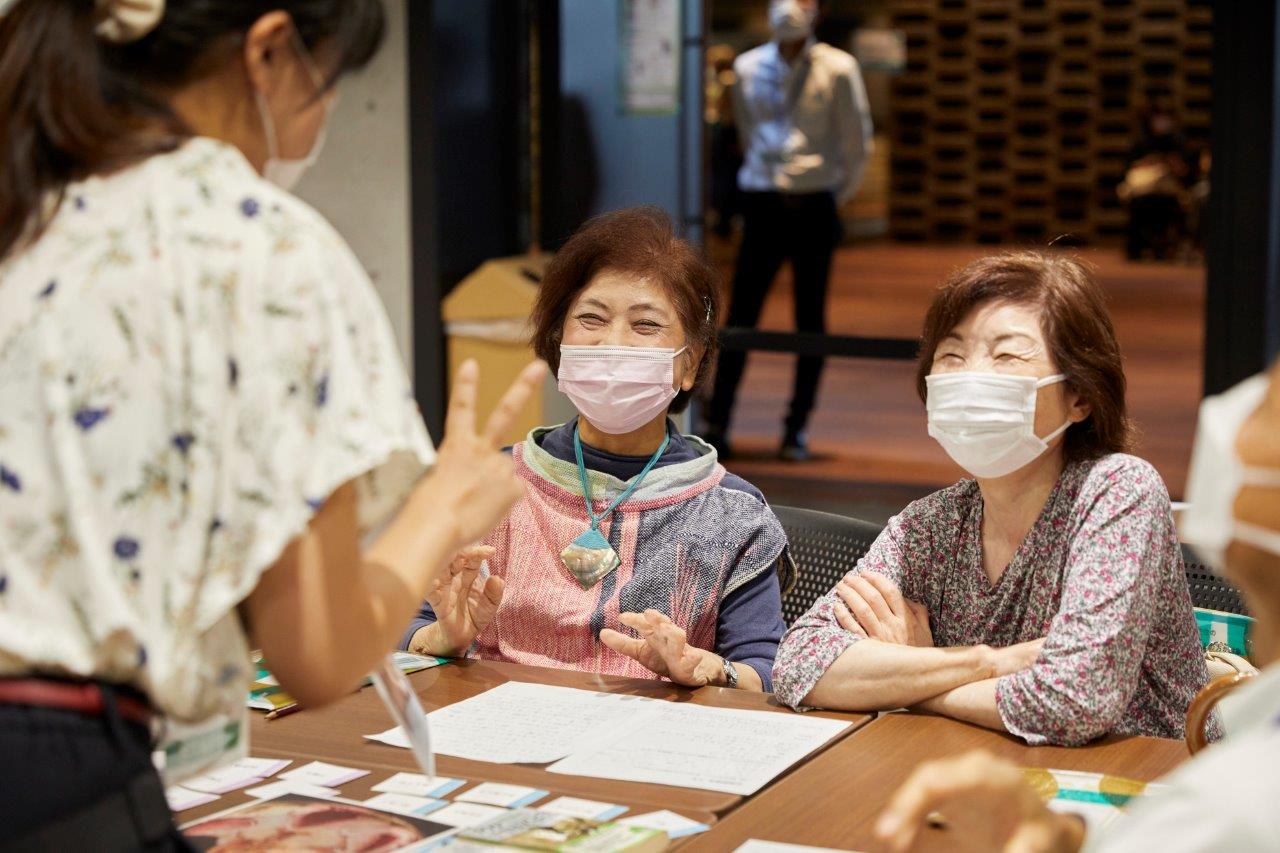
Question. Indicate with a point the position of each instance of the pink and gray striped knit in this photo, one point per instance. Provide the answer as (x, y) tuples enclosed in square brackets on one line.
[(685, 543)]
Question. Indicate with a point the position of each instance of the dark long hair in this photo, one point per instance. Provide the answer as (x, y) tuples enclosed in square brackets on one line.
[(74, 105)]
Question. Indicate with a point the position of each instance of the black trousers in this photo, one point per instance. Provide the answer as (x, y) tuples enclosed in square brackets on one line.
[(803, 228), (72, 781)]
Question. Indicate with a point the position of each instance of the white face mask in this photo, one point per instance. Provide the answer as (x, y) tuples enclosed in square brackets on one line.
[(789, 21), (987, 421), (1216, 474), (281, 171), (618, 389)]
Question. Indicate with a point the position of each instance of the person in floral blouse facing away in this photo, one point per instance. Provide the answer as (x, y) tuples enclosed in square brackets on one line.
[(1046, 596), (207, 440)]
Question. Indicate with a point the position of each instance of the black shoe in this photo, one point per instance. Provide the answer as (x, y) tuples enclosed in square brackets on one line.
[(795, 447), (717, 438)]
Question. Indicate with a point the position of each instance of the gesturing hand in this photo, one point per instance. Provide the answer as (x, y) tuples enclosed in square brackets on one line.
[(473, 481), (464, 604), (873, 607), (986, 804), (663, 648)]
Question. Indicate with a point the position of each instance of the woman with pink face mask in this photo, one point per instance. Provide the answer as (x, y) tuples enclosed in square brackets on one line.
[(633, 551)]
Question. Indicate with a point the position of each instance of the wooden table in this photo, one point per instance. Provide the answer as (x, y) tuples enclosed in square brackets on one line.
[(336, 734), (834, 799)]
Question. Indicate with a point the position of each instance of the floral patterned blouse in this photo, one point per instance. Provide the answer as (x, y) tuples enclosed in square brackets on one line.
[(1100, 575), (191, 361)]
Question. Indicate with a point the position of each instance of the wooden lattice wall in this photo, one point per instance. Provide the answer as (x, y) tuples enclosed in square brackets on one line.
[(1013, 120)]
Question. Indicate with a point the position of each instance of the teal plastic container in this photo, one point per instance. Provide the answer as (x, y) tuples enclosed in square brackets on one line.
[(1230, 628)]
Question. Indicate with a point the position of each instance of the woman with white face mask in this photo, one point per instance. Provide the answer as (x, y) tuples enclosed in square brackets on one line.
[(204, 408), (1225, 799), (633, 551), (1046, 596)]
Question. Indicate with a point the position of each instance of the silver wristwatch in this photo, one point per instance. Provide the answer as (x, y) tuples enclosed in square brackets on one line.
[(730, 674)]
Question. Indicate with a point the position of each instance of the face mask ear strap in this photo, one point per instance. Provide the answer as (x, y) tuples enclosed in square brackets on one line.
[(1051, 380), (1057, 432)]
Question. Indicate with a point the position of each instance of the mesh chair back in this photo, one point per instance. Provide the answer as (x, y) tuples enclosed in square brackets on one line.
[(1209, 590), (825, 547)]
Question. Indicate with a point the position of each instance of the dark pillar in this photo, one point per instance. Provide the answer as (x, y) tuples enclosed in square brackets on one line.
[(1242, 305), (466, 89), (428, 337)]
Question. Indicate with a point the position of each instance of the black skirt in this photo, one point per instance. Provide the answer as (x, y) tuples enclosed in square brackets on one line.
[(78, 781)]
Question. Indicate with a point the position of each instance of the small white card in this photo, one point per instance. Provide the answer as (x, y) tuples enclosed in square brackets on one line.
[(323, 774), (180, 799), (755, 845), (498, 794), (674, 825), (465, 814), (261, 767), (589, 809), (405, 804), (418, 785), (286, 786), (223, 780)]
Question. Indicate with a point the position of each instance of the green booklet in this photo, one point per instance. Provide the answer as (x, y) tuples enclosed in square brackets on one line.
[(530, 829), (265, 693)]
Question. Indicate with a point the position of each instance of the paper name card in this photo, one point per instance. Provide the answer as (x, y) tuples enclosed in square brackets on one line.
[(498, 794), (263, 768), (755, 845), (466, 814), (674, 825), (223, 780), (589, 809), (180, 799), (405, 804), (286, 786), (323, 774), (418, 785)]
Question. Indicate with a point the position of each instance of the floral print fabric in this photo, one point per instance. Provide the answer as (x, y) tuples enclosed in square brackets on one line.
[(191, 360), (1100, 575)]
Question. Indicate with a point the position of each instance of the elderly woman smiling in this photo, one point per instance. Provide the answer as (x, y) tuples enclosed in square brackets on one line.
[(1046, 596), (1225, 798), (633, 552)]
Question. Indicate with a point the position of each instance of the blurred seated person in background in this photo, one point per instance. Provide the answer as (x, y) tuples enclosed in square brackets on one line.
[(1046, 596), (669, 565), (1156, 184), (1225, 798)]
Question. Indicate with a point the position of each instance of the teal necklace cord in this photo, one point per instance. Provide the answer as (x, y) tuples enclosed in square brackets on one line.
[(626, 493)]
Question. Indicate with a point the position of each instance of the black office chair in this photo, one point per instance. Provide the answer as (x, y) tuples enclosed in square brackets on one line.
[(825, 547), (1209, 590)]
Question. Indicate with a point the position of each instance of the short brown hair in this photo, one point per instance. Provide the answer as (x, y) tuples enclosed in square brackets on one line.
[(1076, 327), (641, 241)]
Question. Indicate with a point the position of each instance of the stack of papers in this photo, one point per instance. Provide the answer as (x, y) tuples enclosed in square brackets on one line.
[(605, 735)]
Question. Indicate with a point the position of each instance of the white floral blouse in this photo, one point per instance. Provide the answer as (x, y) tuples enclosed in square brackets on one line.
[(191, 361)]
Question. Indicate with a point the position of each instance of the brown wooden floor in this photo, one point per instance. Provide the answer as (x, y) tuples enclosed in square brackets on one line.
[(868, 430)]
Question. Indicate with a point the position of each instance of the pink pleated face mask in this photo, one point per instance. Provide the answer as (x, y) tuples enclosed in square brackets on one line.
[(618, 389)]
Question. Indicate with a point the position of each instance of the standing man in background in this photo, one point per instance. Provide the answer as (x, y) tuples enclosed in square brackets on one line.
[(803, 118)]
